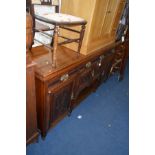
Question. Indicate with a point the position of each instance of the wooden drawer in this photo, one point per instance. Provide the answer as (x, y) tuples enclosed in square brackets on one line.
[(62, 77)]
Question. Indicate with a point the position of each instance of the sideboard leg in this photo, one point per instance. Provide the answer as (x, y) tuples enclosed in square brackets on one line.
[(43, 135), (69, 112)]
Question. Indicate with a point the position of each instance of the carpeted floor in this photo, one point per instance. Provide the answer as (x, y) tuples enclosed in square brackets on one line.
[(98, 126)]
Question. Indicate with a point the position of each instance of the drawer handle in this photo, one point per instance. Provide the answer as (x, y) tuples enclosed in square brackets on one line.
[(64, 77), (100, 64), (88, 65), (49, 92), (100, 61)]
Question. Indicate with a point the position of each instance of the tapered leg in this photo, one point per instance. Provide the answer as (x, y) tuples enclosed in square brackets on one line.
[(55, 44), (81, 38), (52, 41)]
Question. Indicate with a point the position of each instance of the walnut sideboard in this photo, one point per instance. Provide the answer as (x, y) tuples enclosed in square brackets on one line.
[(59, 90)]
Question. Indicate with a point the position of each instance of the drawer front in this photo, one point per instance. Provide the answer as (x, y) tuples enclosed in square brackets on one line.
[(60, 78)]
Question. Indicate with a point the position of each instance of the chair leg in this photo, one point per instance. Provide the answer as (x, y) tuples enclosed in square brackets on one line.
[(123, 63), (81, 38), (55, 44), (52, 42)]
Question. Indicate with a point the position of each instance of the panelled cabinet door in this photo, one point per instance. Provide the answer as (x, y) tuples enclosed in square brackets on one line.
[(59, 98), (98, 19), (110, 15)]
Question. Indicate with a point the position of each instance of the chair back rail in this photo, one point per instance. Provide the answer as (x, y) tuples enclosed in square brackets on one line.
[(55, 3), (30, 6), (46, 2)]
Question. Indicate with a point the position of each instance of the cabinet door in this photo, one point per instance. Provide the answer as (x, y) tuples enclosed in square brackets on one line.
[(98, 19), (59, 98), (110, 15)]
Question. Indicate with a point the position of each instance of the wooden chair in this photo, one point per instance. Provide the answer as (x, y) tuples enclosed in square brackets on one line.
[(59, 21), (121, 55), (122, 44)]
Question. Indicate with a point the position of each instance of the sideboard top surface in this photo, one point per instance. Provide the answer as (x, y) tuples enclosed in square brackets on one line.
[(66, 59), (43, 59)]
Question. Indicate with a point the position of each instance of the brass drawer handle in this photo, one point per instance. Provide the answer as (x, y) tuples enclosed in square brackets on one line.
[(100, 61), (88, 65), (100, 64), (49, 92), (64, 77)]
